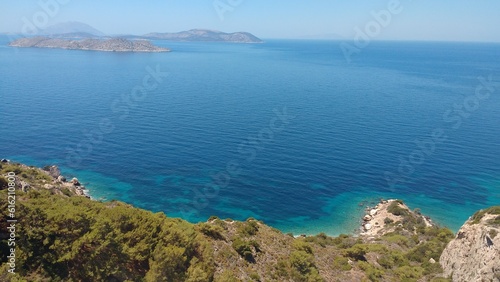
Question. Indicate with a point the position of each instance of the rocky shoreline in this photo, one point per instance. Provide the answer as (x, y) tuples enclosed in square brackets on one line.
[(49, 178), (109, 45)]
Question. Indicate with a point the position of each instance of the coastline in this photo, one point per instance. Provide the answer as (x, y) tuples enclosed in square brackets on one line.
[(343, 214)]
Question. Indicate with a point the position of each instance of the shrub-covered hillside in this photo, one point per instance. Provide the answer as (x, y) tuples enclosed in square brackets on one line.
[(65, 237)]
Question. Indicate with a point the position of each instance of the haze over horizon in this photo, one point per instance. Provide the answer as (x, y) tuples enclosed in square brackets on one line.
[(426, 20)]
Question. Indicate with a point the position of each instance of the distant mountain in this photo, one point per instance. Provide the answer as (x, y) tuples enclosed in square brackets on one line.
[(68, 28), (206, 35)]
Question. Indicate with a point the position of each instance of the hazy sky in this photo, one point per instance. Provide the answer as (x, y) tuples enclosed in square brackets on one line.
[(456, 20)]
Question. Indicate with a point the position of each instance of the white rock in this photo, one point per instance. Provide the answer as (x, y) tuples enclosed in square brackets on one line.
[(373, 212), (431, 260), (368, 226)]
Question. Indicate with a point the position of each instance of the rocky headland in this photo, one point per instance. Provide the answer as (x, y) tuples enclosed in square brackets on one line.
[(107, 45)]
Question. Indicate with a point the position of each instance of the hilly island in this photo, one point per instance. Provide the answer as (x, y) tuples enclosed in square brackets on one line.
[(109, 45), (55, 232)]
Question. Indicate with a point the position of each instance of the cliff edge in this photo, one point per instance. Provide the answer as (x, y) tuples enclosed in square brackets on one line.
[(474, 253)]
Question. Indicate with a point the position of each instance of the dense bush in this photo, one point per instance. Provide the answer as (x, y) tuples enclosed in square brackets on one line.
[(301, 245), (81, 239), (395, 209), (4, 184), (358, 251), (213, 231), (244, 249), (248, 228), (341, 263)]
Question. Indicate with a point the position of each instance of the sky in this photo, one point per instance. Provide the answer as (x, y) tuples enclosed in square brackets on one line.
[(443, 20)]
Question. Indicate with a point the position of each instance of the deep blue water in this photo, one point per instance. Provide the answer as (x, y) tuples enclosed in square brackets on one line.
[(220, 109)]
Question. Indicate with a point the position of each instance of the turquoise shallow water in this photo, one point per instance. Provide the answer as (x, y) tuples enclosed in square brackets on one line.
[(287, 132)]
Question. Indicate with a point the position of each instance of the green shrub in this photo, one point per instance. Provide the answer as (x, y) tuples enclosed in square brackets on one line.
[(303, 262), (373, 273), (395, 209), (244, 249), (301, 245), (254, 276), (424, 252), (4, 184), (227, 276), (388, 220), (476, 218), (213, 217), (321, 239), (409, 272), (359, 251), (66, 192), (393, 259), (397, 239), (213, 231), (341, 263), (494, 221), (248, 228), (344, 241), (493, 233)]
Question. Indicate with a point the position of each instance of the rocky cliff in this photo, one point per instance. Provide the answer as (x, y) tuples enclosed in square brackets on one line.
[(474, 254), (110, 45)]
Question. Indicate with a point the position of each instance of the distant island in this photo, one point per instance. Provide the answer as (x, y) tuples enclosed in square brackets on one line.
[(108, 45), (205, 35), (77, 30)]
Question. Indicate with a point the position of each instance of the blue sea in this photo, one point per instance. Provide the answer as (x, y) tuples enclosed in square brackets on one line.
[(288, 132)]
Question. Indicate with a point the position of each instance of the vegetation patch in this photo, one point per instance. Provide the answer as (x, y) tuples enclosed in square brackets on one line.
[(476, 218)]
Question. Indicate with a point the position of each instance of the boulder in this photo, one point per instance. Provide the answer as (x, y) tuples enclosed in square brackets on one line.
[(25, 186), (75, 181), (432, 261), (61, 178), (367, 218), (368, 226), (54, 171), (373, 212)]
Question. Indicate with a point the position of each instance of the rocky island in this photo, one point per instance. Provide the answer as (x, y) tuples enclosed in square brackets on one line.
[(205, 35), (62, 235), (108, 45)]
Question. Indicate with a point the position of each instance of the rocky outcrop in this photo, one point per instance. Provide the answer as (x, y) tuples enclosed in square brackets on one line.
[(110, 45), (474, 254), (48, 178), (386, 216)]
